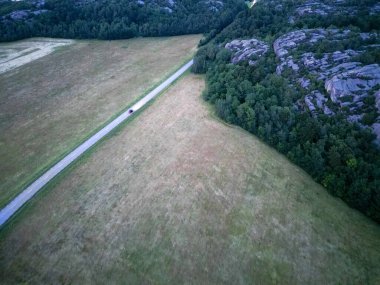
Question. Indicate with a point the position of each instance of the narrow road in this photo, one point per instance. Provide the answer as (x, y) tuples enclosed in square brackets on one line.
[(10, 209)]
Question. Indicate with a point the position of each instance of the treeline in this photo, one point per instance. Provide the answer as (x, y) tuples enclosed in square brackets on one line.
[(336, 153), (10, 6), (267, 19), (122, 19)]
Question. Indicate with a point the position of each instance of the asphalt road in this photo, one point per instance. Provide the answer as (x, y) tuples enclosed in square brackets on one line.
[(10, 209)]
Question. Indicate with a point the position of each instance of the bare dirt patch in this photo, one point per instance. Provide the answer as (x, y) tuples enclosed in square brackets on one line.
[(50, 105), (177, 197), (16, 54)]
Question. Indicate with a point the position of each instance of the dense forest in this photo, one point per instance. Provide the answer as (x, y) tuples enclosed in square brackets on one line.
[(111, 19), (338, 153)]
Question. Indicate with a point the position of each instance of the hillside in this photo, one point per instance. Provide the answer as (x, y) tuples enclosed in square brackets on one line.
[(304, 76), (176, 196), (110, 19)]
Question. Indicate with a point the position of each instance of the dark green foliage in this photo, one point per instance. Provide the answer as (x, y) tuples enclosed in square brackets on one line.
[(369, 57), (121, 19), (369, 118), (9, 6), (336, 153)]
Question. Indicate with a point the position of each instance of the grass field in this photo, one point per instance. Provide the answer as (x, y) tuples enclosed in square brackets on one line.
[(178, 197), (50, 105)]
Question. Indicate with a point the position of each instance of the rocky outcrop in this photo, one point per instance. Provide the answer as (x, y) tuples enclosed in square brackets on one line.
[(347, 82), (287, 63), (247, 50), (317, 101), (375, 9), (329, 64), (24, 14), (79, 3), (337, 69), (377, 101), (305, 83), (214, 5), (328, 8), (314, 7), (288, 41), (19, 15), (355, 83), (315, 59)]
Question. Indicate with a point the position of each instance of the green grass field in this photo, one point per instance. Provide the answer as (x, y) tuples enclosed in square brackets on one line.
[(50, 105), (178, 197)]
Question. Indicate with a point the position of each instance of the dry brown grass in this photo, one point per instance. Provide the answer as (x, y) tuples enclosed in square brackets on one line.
[(50, 105), (177, 197)]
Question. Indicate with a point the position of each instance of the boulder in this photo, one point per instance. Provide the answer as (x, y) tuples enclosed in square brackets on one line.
[(304, 82)]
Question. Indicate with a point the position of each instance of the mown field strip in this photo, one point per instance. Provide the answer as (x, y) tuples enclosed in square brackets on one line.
[(10, 209)]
